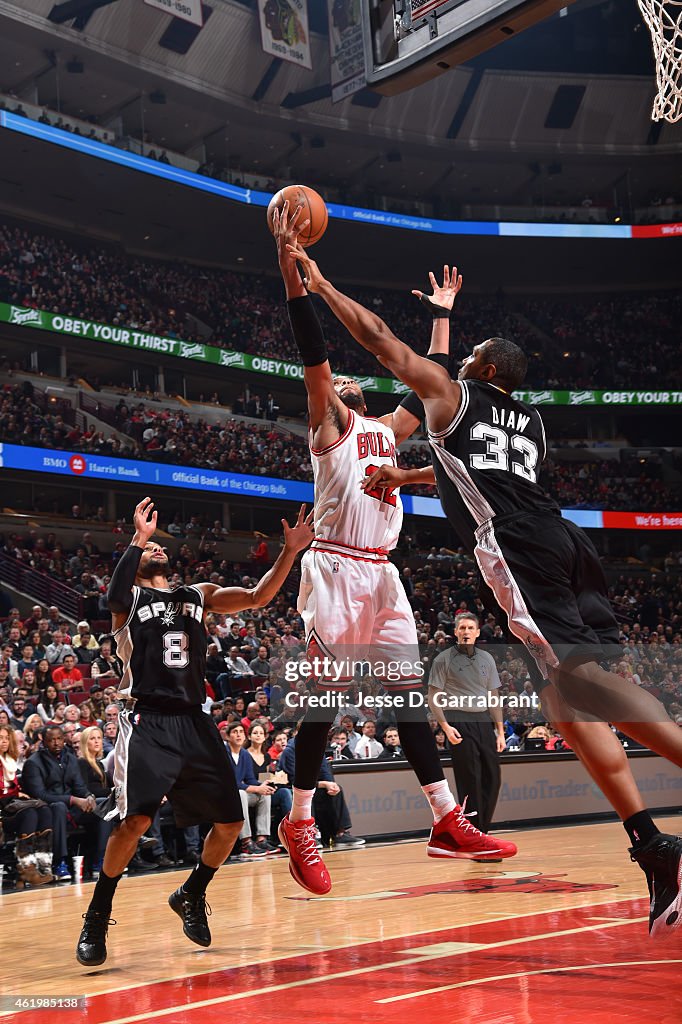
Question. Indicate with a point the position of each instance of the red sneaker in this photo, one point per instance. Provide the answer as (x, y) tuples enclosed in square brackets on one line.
[(305, 864), (455, 836)]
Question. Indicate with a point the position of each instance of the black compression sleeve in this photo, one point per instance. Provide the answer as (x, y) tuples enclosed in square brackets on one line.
[(119, 594), (307, 331), (412, 402)]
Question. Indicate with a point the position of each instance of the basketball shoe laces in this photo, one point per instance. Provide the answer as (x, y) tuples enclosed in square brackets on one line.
[(306, 847), (463, 820)]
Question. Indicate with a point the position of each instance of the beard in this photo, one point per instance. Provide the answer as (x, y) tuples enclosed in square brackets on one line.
[(154, 567), (354, 401)]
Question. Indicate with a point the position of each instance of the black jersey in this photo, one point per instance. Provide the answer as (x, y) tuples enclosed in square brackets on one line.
[(163, 648), (487, 461)]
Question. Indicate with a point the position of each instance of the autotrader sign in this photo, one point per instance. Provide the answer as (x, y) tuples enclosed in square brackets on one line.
[(130, 337), (100, 467)]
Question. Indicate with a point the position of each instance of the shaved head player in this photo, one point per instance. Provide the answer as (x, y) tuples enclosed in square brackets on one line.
[(486, 448), (352, 602), (166, 745)]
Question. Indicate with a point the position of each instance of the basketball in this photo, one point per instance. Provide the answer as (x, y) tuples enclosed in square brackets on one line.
[(314, 210)]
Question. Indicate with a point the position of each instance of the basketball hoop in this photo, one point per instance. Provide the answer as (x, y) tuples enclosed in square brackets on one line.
[(664, 19)]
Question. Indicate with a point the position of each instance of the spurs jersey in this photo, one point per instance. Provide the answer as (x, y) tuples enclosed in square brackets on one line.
[(162, 646), (487, 461), (344, 513)]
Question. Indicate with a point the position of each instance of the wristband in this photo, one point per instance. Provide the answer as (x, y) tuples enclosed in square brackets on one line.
[(307, 331), (436, 311)]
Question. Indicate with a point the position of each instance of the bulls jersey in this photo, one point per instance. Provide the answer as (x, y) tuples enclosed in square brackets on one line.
[(343, 511), (163, 648), (487, 461)]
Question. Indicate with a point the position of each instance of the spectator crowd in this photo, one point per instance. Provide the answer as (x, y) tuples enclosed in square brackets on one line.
[(232, 445), (606, 341), (59, 714)]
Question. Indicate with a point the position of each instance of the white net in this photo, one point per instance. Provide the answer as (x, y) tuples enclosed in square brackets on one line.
[(664, 19)]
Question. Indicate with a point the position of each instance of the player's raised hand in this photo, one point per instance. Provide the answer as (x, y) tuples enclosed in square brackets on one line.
[(312, 277), (444, 295), (384, 476), (144, 520), (301, 534), (286, 227)]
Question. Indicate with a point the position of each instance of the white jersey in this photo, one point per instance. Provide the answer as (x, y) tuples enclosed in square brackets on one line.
[(344, 513)]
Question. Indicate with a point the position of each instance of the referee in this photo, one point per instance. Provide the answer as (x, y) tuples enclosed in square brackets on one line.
[(460, 682)]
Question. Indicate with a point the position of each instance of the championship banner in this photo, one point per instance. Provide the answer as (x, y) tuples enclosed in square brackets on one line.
[(188, 10), (284, 30), (346, 49), (57, 323)]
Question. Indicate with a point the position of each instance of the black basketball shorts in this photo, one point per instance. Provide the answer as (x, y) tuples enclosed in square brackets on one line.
[(180, 756), (546, 575)]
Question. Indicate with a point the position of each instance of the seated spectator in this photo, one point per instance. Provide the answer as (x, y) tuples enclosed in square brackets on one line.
[(106, 667), (56, 651), (43, 674), (20, 713), (33, 731), (392, 750), (67, 676), (368, 745), (281, 800), (53, 775), (30, 824), (87, 714), (236, 676), (49, 699), (109, 734), (252, 715), (280, 739), (252, 793), (90, 754), (339, 745), (329, 805), (27, 660), (260, 666), (538, 732), (348, 723), (259, 553)]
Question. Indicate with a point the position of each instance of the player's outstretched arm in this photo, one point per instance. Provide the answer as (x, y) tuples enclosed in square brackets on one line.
[(431, 382), (120, 591), (236, 599), (405, 419), (328, 415)]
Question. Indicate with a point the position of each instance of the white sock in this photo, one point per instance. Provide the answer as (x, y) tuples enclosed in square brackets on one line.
[(440, 797), (302, 806)]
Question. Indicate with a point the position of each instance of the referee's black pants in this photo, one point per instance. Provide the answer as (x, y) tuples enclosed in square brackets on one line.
[(476, 765)]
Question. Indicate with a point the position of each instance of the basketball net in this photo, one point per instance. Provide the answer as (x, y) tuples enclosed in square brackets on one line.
[(664, 19)]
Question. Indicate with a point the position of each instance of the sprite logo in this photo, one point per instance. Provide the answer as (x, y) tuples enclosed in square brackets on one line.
[(365, 382), (25, 317), (191, 351), (540, 397), (232, 359), (399, 388), (580, 397)]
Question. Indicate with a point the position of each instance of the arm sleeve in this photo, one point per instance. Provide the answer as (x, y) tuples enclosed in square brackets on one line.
[(307, 331), (120, 592), (412, 402)]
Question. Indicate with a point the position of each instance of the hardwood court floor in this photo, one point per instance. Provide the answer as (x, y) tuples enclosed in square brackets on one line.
[(558, 932)]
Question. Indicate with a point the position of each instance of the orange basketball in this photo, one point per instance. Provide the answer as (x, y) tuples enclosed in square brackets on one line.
[(314, 210)]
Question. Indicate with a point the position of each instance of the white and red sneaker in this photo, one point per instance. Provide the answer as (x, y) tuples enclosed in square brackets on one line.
[(455, 836), (305, 864)]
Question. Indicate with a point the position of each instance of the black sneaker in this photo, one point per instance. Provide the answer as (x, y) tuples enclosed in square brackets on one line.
[(661, 861), (164, 861), (346, 839), (91, 950), (192, 908)]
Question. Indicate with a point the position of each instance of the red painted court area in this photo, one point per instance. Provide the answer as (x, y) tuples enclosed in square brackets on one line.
[(592, 964)]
